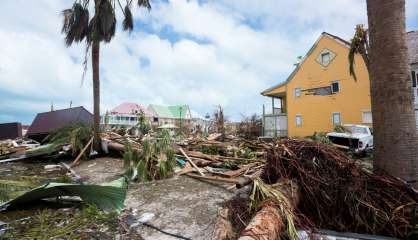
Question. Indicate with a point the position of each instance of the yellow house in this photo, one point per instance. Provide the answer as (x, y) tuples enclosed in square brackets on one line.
[(320, 93)]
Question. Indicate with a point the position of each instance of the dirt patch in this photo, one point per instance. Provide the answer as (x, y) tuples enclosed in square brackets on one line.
[(100, 170)]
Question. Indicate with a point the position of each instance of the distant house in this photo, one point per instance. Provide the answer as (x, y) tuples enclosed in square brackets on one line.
[(10, 130), (47, 122), (176, 115), (320, 93), (126, 115)]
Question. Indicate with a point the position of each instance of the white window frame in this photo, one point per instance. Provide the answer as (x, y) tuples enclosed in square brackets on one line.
[(300, 122), (363, 118), (297, 92), (322, 58), (332, 118), (339, 86)]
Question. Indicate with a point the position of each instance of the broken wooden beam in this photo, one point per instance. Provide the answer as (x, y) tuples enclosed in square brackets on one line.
[(213, 178), (191, 162), (81, 153)]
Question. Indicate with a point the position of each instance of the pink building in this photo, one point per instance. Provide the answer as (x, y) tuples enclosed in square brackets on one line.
[(126, 114)]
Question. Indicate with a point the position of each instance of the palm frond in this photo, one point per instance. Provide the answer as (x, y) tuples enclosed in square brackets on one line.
[(75, 24), (359, 45), (127, 156), (145, 4), (107, 20), (128, 22), (103, 25)]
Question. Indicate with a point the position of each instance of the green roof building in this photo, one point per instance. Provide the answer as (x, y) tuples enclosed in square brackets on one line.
[(169, 114)]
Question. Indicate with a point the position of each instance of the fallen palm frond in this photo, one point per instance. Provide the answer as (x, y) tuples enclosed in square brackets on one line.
[(156, 160), (76, 135), (337, 193), (108, 196)]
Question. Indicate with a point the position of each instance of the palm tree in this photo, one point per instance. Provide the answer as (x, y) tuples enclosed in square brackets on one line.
[(78, 27), (396, 139)]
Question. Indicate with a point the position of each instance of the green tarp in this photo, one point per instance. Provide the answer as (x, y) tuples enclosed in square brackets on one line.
[(108, 196)]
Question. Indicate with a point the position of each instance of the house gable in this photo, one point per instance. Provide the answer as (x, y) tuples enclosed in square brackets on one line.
[(327, 89), (281, 86)]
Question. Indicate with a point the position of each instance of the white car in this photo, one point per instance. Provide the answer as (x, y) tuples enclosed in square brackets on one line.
[(358, 138)]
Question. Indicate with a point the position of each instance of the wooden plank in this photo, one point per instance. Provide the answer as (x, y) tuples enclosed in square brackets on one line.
[(236, 173), (70, 170), (214, 178), (82, 152), (191, 162)]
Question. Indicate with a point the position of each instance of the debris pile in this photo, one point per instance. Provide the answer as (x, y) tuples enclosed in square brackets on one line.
[(334, 193), (233, 160), (8, 147)]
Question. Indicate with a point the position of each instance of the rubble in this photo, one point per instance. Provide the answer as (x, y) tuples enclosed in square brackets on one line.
[(335, 193), (332, 190)]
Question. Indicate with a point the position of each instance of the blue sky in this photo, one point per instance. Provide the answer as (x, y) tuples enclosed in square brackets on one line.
[(201, 53)]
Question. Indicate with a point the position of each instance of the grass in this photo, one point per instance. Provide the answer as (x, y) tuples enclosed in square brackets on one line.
[(59, 224)]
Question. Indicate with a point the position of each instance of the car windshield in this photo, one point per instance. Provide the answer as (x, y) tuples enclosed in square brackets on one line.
[(355, 129)]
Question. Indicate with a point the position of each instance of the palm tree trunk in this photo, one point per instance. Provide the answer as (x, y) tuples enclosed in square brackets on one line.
[(96, 93), (395, 133)]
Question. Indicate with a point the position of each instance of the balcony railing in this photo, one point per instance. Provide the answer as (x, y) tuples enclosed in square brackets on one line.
[(275, 125)]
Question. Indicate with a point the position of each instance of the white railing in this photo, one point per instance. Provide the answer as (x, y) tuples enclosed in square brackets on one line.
[(122, 122)]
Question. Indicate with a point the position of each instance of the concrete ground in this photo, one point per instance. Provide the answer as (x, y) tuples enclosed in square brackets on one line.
[(179, 205)]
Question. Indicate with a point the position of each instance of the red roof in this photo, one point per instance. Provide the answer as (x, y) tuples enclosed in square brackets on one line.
[(130, 108)]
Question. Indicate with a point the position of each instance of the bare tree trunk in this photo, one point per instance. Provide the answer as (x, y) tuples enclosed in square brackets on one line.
[(223, 227), (269, 222), (96, 93), (395, 136)]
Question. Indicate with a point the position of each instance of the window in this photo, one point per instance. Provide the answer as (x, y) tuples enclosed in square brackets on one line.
[(414, 78), (297, 92), (155, 119), (298, 120), (325, 58), (367, 117), (335, 86), (336, 118), (320, 91)]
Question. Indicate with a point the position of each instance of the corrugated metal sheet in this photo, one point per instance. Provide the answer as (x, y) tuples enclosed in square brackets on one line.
[(10, 130), (47, 122)]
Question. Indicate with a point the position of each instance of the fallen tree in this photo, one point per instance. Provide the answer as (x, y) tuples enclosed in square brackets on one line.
[(335, 193)]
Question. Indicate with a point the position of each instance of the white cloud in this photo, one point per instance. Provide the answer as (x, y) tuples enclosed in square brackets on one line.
[(216, 52)]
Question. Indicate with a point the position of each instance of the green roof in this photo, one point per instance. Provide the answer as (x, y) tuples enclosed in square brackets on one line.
[(177, 111)]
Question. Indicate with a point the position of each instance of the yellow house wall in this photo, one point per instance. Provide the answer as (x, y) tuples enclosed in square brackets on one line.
[(316, 111)]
